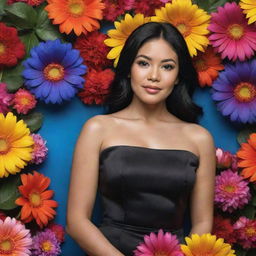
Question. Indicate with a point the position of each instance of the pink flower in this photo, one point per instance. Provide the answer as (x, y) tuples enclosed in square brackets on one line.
[(40, 150), (231, 191), (5, 99), (232, 36), (245, 230), (224, 159), (159, 244), (58, 231)]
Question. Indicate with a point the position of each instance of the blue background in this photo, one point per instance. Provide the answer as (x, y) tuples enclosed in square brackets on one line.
[(61, 128)]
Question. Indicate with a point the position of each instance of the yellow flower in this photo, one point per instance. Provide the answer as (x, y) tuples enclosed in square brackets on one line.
[(191, 21), (121, 32), (16, 145), (249, 8), (206, 244)]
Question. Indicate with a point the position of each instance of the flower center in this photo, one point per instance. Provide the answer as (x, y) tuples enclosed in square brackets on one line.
[(236, 31), (160, 253), (35, 199), (54, 72), (200, 65), (46, 246), (6, 247), (25, 101), (2, 48), (245, 92), (183, 28), (4, 146), (76, 8), (230, 188), (250, 231)]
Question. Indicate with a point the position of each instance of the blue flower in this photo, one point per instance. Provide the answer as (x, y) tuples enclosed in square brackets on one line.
[(54, 71)]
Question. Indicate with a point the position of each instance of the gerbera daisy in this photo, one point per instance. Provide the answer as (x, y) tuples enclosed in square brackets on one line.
[(191, 21), (224, 159), (39, 150), (231, 191), (35, 199), (164, 244), (14, 238), (45, 243), (235, 91), (15, 145), (5, 99), (207, 65), (249, 8), (78, 15), (232, 36), (247, 158), (206, 244), (54, 71), (58, 230), (11, 47), (121, 32)]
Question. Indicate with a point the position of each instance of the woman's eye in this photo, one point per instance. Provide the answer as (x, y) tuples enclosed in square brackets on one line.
[(142, 63), (168, 67)]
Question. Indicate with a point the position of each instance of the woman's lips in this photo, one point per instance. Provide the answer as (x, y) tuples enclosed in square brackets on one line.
[(152, 89)]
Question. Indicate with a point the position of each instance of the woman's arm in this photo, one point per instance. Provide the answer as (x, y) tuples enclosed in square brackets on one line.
[(83, 189), (203, 192)]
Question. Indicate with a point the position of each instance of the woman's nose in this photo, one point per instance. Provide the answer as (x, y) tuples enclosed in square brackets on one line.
[(154, 75)]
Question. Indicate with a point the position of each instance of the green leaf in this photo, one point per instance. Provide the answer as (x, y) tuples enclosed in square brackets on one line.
[(209, 5), (2, 5), (30, 40), (249, 211), (9, 192), (243, 135), (34, 121)]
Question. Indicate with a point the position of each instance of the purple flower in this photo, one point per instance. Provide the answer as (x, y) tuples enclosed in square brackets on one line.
[(39, 150)]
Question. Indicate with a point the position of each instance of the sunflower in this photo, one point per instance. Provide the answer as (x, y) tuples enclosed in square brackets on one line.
[(121, 32), (16, 145), (191, 21), (249, 8), (206, 244), (78, 15)]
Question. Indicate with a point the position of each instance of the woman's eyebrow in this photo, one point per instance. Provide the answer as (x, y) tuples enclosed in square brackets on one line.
[(148, 58)]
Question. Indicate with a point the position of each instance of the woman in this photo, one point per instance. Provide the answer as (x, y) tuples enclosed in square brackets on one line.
[(147, 156)]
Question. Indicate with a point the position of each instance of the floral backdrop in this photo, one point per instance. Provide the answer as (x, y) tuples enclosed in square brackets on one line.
[(54, 51)]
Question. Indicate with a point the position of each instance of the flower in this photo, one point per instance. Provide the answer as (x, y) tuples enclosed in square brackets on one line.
[(247, 158), (191, 21), (97, 86), (249, 8), (23, 101), (39, 150), (235, 89), (15, 145), (58, 230), (164, 244), (232, 36), (231, 191), (118, 36), (206, 244), (207, 65), (45, 244), (5, 99), (35, 199), (53, 72), (14, 238), (147, 7), (78, 15), (224, 159), (245, 230), (34, 2), (2, 215), (11, 47), (93, 50)]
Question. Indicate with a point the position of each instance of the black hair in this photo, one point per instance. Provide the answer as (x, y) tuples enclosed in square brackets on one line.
[(179, 102)]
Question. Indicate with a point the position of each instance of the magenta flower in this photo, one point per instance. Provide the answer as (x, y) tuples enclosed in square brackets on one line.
[(159, 244), (5, 99), (231, 34), (39, 150), (231, 191)]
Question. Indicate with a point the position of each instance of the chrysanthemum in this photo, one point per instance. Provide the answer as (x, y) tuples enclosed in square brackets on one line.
[(45, 244), (207, 65), (54, 71), (232, 36), (39, 150), (14, 238), (5, 99), (247, 158), (11, 47), (206, 244), (249, 8), (231, 191), (245, 230), (190, 20), (164, 244), (58, 230), (224, 159), (97, 86), (35, 199), (78, 15), (121, 32), (15, 145), (235, 91), (147, 7)]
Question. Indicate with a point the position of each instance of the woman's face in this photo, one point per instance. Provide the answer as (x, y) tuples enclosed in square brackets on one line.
[(154, 71)]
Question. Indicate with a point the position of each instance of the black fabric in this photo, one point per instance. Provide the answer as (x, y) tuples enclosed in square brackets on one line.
[(142, 190)]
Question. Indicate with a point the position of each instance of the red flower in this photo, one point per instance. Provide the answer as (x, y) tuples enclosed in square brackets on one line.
[(147, 7), (34, 2), (96, 86), (11, 48), (58, 230)]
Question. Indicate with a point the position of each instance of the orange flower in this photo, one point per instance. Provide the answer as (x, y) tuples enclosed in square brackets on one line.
[(77, 15), (247, 155), (35, 199), (207, 65)]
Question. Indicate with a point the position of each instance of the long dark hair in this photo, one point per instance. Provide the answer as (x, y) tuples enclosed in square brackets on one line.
[(179, 102)]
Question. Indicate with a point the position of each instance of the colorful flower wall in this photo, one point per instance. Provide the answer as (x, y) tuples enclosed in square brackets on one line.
[(56, 65)]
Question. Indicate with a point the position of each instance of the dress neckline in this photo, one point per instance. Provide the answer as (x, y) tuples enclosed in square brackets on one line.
[(150, 149)]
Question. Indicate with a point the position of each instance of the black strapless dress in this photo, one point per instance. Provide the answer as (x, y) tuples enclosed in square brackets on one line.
[(143, 190)]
